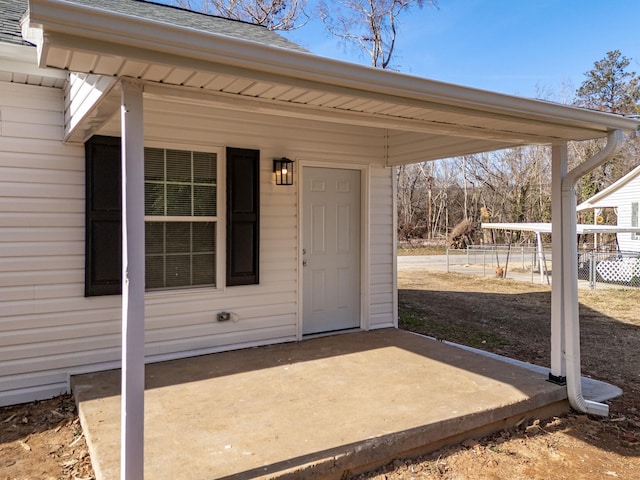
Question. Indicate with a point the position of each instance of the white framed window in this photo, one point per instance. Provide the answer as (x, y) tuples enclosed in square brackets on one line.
[(183, 218), (202, 216)]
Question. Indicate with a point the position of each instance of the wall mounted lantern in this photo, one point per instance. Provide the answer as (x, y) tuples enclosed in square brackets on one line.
[(283, 168)]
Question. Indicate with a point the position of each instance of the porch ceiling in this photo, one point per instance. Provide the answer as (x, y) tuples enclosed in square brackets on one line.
[(248, 75)]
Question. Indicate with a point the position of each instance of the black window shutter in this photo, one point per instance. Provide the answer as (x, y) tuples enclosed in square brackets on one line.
[(103, 237), (243, 216)]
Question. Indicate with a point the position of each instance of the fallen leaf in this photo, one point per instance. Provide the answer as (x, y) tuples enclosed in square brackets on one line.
[(25, 446)]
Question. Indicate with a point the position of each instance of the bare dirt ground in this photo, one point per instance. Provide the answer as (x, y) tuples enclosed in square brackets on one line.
[(44, 440)]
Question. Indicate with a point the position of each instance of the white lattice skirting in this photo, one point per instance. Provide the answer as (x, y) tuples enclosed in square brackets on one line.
[(619, 270)]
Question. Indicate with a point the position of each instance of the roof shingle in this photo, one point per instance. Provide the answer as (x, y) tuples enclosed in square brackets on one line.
[(12, 13), (13, 10)]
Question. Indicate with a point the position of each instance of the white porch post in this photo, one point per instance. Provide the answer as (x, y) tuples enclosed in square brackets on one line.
[(133, 275), (559, 161)]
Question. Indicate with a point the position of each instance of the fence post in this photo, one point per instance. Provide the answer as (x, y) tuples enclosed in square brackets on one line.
[(522, 256), (533, 259), (468, 255), (592, 271)]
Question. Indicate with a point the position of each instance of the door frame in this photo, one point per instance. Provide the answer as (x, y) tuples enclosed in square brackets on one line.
[(364, 237)]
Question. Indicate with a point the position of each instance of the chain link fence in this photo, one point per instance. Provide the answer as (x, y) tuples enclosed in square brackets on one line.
[(620, 268), (596, 270)]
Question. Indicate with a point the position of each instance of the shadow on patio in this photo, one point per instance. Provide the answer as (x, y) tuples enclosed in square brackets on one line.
[(313, 409)]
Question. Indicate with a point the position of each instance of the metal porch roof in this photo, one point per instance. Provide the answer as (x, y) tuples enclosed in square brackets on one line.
[(249, 73)]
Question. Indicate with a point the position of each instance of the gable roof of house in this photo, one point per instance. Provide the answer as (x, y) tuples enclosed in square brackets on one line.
[(599, 200), (12, 13)]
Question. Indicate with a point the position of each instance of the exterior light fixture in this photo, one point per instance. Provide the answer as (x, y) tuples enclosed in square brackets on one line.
[(283, 168)]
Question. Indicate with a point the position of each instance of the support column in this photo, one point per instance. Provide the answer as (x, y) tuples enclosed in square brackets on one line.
[(133, 278), (559, 161)]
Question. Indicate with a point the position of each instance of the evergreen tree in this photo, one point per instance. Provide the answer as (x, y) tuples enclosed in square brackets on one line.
[(609, 87)]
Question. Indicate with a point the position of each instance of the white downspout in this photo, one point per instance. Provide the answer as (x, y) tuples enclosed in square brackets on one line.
[(570, 267)]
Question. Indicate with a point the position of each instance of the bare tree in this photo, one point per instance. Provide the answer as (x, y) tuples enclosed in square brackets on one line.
[(273, 14), (370, 24)]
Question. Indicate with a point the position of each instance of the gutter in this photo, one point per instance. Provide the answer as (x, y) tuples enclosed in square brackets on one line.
[(570, 268)]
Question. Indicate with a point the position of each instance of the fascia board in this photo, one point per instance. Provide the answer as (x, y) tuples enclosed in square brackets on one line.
[(128, 31)]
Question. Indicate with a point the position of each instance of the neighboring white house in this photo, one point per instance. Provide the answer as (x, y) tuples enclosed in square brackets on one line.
[(233, 259), (624, 197)]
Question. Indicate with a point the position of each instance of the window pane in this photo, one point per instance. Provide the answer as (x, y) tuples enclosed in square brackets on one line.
[(204, 167), (179, 200), (204, 237), (204, 198), (154, 164), (203, 269), (180, 254), (154, 237), (154, 271), (178, 166), (178, 273), (178, 237), (154, 199)]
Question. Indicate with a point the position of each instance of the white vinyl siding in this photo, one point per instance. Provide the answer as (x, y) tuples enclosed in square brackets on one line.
[(42, 309), (49, 330), (382, 267), (634, 220), (622, 199)]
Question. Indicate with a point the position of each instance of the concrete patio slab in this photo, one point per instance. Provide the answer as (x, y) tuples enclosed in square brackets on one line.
[(313, 409)]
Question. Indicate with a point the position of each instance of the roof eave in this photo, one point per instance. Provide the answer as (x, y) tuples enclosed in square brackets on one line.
[(594, 201), (91, 23), (21, 59)]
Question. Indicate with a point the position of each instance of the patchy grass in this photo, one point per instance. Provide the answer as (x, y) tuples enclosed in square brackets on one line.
[(442, 329), (624, 304)]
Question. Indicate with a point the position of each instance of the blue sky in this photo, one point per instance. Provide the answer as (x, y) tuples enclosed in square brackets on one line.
[(531, 48)]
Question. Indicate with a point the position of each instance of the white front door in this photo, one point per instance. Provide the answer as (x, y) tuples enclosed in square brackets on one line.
[(331, 249)]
